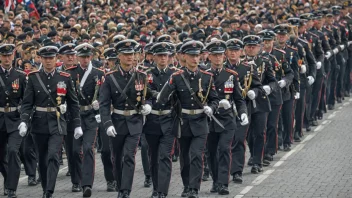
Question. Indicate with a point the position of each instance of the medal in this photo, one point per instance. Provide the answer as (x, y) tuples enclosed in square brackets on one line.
[(61, 89), (138, 98), (15, 85), (150, 78)]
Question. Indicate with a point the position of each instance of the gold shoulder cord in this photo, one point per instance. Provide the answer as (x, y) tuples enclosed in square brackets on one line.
[(200, 90), (209, 87), (247, 82)]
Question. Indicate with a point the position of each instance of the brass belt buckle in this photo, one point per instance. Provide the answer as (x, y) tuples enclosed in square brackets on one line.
[(160, 112), (126, 113), (48, 109), (192, 112), (7, 109)]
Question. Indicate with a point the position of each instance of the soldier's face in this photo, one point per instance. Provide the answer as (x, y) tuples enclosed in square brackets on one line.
[(268, 44), (68, 59), (6, 60), (84, 60), (49, 63), (216, 60), (126, 59), (233, 54), (192, 60), (252, 50), (161, 60), (282, 38)]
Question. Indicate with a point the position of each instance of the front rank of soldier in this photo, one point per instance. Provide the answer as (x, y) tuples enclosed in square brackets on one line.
[(231, 104), (51, 92), (125, 90), (87, 80), (195, 90), (12, 86)]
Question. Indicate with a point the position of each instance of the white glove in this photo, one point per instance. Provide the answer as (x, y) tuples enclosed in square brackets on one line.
[(267, 89), (303, 69), (78, 132), (23, 129), (244, 119), (282, 83), (208, 111), (225, 104), (335, 51), (97, 118), (342, 47), (95, 105), (63, 108), (297, 96), (310, 80), (318, 65), (328, 55), (146, 109), (349, 43), (251, 94), (111, 132)]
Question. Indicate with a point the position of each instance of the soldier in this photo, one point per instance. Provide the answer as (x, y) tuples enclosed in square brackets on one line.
[(233, 52), (12, 86), (124, 89), (346, 12), (322, 67), (282, 72), (288, 101), (67, 55), (158, 128), (111, 57), (49, 91), (87, 80), (264, 68), (307, 79), (219, 139), (194, 88), (313, 91)]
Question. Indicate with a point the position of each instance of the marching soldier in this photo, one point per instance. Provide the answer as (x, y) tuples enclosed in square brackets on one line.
[(256, 133), (346, 12), (158, 128), (288, 101), (198, 98), (307, 79), (49, 91), (125, 89), (12, 86), (111, 57), (282, 72), (87, 81), (219, 139), (317, 50), (67, 55)]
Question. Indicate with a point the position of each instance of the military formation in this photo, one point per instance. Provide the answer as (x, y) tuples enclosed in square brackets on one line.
[(194, 99)]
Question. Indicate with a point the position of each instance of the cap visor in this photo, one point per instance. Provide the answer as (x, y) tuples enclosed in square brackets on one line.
[(193, 52), (85, 54)]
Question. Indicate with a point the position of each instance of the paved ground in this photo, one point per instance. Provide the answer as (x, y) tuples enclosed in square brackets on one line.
[(317, 167)]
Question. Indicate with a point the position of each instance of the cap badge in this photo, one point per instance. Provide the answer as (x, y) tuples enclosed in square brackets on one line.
[(194, 44), (128, 43), (163, 45)]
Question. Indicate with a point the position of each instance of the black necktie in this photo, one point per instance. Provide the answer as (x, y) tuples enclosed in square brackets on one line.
[(6, 73)]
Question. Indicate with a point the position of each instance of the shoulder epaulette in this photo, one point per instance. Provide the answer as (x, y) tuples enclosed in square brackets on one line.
[(292, 48), (231, 71), (178, 72), (20, 71), (72, 67), (282, 51), (314, 34), (111, 72), (64, 74), (174, 68), (99, 69), (265, 57), (205, 72), (33, 72), (343, 25)]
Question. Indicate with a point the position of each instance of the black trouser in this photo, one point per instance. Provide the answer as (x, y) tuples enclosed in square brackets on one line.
[(324, 94), (191, 159), (176, 148), (10, 166), (160, 150), (49, 147), (69, 151), (272, 130), (145, 155), (219, 148), (299, 111), (106, 154), (256, 136), (308, 106), (123, 148), (316, 95), (340, 88), (238, 148), (347, 77), (83, 168), (30, 156), (332, 82), (287, 121)]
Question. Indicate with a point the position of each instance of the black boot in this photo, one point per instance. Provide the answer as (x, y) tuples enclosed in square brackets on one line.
[(256, 169), (32, 181), (237, 178), (185, 192), (223, 190), (76, 188), (250, 161), (147, 181), (111, 186), (87, 191), (296, 137), (193, 194), (11, 194), (214, 188)]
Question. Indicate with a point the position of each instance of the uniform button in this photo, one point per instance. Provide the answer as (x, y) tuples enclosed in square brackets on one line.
[(48, 85), (7, 98), (126, 105), (163, 104), (49, 90), (88, 96), (161, 84), (192, 78), (117, 92), (191, 98), (48, 78), (219, 89), (192, 105), (38, 91)]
